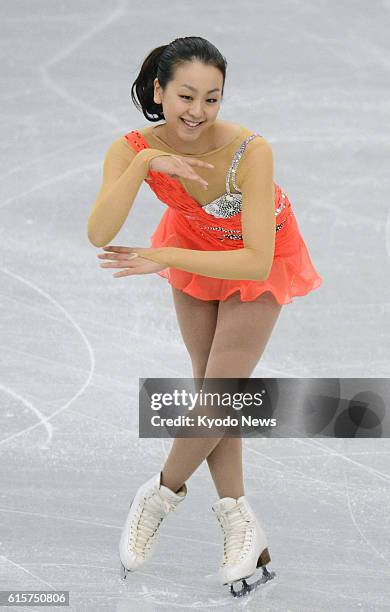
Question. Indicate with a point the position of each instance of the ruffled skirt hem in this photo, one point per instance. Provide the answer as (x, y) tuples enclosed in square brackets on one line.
[(292, 273), (249, 290)]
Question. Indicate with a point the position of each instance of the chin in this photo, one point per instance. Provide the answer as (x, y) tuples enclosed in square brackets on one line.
[(205, 126)]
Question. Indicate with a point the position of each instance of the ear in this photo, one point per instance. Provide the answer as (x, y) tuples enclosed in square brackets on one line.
[(156, 95)]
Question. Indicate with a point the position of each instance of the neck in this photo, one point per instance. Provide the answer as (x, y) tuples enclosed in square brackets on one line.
[(203, 144)]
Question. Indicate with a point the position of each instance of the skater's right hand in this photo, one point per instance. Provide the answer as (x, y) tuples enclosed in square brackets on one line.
[(175, 166)]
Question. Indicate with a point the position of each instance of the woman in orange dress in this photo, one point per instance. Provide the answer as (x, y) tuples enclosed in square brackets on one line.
[(230, 247)]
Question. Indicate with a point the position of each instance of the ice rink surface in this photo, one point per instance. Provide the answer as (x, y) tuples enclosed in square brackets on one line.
[(312, 77)]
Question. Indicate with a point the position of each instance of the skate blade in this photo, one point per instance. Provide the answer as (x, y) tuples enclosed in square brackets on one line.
[(124, 571), (247, 588)]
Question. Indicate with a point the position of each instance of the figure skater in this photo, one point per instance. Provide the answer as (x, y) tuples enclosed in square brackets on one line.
[(233, 256)]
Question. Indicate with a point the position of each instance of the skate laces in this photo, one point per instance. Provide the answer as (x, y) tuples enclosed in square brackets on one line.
[(237, 527), (147, 521)]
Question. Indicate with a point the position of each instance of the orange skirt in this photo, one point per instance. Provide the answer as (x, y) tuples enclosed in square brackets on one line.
[(292, 273)]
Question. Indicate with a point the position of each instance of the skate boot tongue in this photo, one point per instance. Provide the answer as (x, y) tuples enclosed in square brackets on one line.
[(169, 494), (226, 503)]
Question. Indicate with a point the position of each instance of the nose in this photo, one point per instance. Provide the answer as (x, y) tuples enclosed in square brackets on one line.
[(196, 111)]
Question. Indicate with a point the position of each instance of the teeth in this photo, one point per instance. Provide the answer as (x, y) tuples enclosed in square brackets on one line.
[(191, 124)]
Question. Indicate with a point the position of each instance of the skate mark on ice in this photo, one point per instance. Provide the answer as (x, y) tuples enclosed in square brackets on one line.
[(61, 91), (54, 153), (103, 525), (377, 224), (287, 468), (68, 519), (130, 432), (84, 339), (190, 539), (31, 407), (353, 518), (256, 452), (50, 181), (336, 453), (291, 471), (102, 377), (24, 569), (196, 588)]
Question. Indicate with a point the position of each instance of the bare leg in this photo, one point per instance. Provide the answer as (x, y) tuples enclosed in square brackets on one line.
[(224, 339), (242, 332), (197, 320), (225, 465)]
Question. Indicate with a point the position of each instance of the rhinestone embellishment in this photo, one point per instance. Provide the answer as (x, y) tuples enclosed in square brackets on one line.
[(230, 204), (225, 206), (233, 234)]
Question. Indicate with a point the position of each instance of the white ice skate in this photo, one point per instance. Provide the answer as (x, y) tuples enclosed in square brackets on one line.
[(151, 504), (245, 545)]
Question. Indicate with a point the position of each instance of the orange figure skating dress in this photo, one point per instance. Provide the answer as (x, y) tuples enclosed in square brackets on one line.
[(217, 226)]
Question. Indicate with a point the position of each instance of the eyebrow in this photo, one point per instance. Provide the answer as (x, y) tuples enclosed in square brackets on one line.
[(193, 88)]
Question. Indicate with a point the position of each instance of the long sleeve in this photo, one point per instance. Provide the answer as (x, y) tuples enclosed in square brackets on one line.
[(254, 261), (123, 173)]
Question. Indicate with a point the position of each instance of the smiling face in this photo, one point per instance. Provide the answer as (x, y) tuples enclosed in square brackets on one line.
[(195, 95)]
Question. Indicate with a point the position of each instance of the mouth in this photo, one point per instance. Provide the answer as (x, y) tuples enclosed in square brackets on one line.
[(190, 125)]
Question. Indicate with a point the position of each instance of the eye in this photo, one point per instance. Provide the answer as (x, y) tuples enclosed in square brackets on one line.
[(212, 99)]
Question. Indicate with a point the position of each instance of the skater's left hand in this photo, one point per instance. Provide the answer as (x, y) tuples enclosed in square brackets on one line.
[(129, 258)]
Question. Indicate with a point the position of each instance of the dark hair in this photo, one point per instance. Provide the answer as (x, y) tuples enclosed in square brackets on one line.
[(161, 63)]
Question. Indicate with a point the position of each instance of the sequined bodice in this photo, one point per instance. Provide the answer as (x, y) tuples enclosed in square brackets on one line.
[(229, 204)]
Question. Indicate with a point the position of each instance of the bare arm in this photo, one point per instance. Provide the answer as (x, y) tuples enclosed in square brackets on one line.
[(123, 172), (254, 261)]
